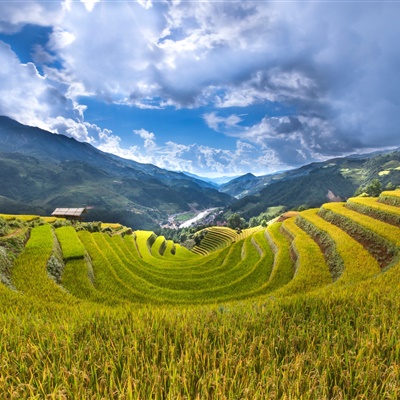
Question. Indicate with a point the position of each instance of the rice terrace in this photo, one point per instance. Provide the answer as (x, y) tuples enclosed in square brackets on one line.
[(305, 308)]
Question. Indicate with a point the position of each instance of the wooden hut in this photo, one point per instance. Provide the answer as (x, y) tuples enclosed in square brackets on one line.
[(75, 214)]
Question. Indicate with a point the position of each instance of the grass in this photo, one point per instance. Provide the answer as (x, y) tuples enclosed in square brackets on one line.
[(391, 197), (71, 246), (257, 319), (185, 216), (371, 207), (217, 238), (23, 218), (303, 348), (384, 230), (27, 218), (50, 220), (145, 240), (311, 270), (113, 226), (358, 262), (29, 271), (7, 217), (158, 247), (283, 269)]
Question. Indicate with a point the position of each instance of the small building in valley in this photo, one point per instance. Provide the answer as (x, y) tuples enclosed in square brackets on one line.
[(75, 214)]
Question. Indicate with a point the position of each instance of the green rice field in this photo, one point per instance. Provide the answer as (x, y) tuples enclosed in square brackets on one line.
[(307, 308)]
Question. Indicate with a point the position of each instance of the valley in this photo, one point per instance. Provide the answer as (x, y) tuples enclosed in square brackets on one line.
[(262, 309), (41, 171)]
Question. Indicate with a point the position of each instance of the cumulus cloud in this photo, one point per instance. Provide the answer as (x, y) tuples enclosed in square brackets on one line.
[(330, 61), (34, 100), (194, 158), (333, 65), (25, 94), (149, 138), (15, 14)]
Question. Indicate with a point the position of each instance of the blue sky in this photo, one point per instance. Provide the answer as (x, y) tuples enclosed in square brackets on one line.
[(210, 87)]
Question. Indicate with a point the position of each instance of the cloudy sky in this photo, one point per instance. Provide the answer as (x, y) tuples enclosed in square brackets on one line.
[(209, 87)]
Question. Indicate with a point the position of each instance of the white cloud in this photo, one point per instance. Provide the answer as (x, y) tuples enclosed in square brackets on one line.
[(33, 99), (333, 64), (60, 39), (145, 3), (41, 56), (197, 159), (149, 139), (89, 4), (217, 123), (25, 94), (15, 14)]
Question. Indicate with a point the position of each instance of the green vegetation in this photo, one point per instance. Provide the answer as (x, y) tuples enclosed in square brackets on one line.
[(391, 198), (236, 222), (185, 216), (71, 246), (357, 263), (308, 308), (311, 271), (218, 237), (29, 272), (309, 185), (369, 206), (374, 188)]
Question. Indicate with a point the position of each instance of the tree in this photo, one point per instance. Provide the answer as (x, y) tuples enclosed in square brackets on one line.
[(236, 222), (374, 189), (253, 222)]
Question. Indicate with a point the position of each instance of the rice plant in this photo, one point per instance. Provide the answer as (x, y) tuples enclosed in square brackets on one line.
[(139, 317)]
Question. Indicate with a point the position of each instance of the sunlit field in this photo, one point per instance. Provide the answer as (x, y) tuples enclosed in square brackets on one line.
[(306, 308)]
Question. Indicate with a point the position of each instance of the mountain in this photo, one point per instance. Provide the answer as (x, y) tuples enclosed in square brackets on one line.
[(40, 171), (248, 185), (242, 185), (313, 184), (216, 182)]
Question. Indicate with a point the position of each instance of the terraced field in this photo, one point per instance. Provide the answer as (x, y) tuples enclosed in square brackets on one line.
[(63, 286), (217, 238), (341, 244)]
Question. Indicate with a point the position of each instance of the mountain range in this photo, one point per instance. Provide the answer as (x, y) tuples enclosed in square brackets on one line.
[(41, 171), (312, 184)]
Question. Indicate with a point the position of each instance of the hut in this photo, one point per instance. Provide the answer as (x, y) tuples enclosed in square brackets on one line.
[(74, 214)]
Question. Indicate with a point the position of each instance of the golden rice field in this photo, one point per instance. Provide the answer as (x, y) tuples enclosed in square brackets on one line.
[(308, 308)]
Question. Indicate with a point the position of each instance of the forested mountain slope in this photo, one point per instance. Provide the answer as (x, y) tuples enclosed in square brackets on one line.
[(40, 171)]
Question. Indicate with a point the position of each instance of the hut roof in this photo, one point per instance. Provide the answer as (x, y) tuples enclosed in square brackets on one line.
[(68, 212)]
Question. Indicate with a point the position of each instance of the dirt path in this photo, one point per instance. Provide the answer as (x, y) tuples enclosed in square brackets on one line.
[(15, 233)]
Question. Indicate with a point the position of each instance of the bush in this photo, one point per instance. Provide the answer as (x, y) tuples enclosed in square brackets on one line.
[(61, 222), (4, 228)]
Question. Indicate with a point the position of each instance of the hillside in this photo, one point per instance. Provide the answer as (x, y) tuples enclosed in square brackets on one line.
[(309, 185), (40, 171), (318, 299), (357, 167)]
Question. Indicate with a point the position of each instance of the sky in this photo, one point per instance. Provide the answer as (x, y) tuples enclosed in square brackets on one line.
[(215, 88)]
